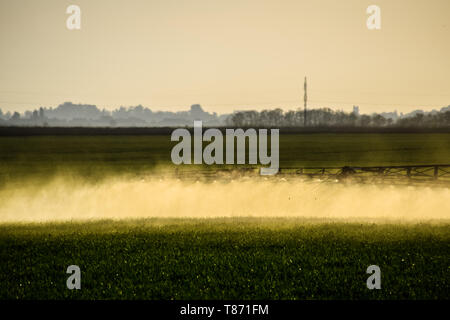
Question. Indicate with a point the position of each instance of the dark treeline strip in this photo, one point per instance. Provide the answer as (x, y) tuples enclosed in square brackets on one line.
[(131, 131), (326, 117)]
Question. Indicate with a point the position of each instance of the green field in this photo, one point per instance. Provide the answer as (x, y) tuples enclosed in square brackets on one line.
[(99, 156), (224, 259), (239, 258)]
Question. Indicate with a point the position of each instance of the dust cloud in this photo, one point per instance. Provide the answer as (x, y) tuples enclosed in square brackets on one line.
[(65, 199)]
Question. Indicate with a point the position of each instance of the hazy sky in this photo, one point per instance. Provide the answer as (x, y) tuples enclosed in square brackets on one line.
[(225, 54)]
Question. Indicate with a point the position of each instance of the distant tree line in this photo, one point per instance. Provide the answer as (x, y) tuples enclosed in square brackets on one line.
[(85, 115), (326, 117)]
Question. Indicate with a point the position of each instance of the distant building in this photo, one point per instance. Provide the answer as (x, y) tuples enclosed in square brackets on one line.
[(356, 110)]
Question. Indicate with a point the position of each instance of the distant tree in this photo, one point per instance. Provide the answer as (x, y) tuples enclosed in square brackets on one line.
[(237, 119), (365, 120), (352, 118), (419, 118), (378, 120), (15, 116), (290, 118), (446, 118), (275, 117)]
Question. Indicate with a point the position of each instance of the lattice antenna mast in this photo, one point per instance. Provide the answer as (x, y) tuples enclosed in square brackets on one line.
[(305, 100)]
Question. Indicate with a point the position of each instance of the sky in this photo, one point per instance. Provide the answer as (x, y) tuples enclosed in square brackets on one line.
[(225, 55)]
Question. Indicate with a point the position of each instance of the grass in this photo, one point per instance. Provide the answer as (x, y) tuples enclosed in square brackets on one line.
[(241, 258)]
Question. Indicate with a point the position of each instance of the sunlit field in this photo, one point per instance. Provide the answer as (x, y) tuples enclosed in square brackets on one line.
[(240, 258), (110, 205)]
